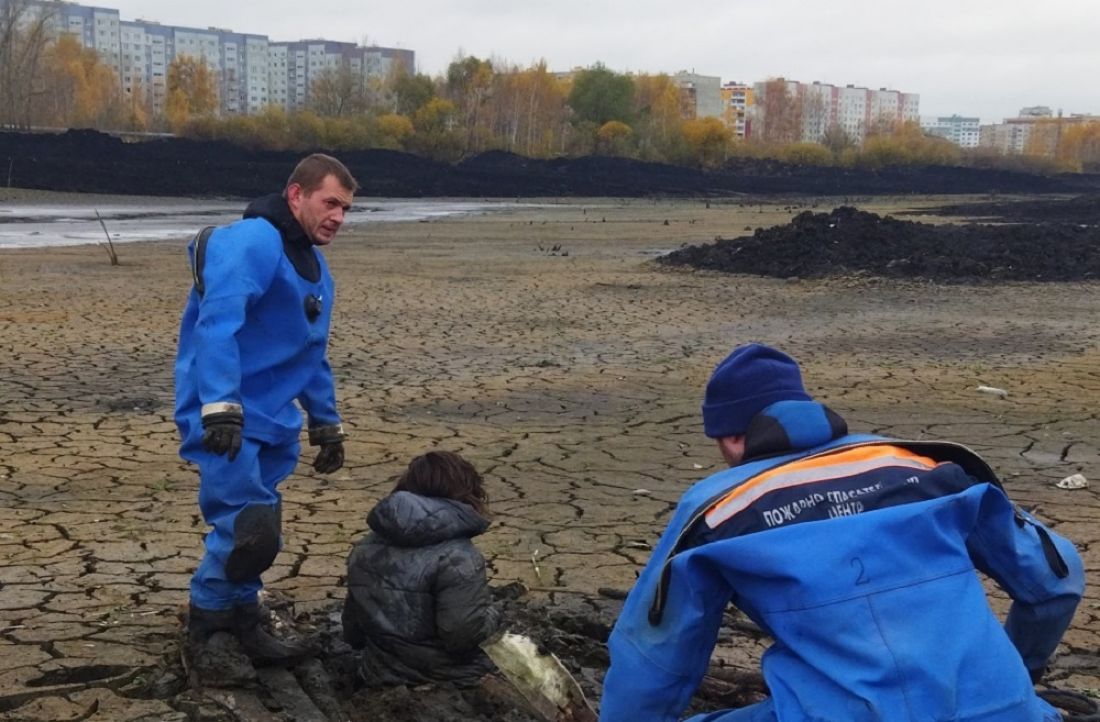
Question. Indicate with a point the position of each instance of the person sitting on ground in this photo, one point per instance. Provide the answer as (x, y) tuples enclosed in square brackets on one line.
[(418, 601), (858, 555)]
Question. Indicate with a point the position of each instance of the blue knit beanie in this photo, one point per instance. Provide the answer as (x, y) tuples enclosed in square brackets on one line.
[(747, 381)]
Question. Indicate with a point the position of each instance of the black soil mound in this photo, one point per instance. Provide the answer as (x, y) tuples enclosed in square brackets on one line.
[(86, 161), (1083, 210), (849, 242)]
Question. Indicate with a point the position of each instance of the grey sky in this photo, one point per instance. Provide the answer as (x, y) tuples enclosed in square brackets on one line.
[(974, 57)]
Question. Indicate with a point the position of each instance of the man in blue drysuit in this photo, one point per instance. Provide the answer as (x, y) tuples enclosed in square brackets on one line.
[(858, 555), (253, 341)]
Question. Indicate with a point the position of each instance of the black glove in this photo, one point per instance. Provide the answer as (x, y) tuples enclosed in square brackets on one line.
[(222, 433), (330, 458), (330, 438)]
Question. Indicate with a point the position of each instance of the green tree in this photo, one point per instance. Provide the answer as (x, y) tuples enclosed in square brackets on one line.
[(599, 95), (469, 82), (412, 92)]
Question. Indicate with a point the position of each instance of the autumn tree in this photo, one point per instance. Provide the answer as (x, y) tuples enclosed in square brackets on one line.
[(613, 138), (658, 123), (468, 83), (805, 153), (192, 90), (435, 126), (79, 90), (837, 140), (24, 36), (338, 91), (1079, 146), (708, 140), (393, 131), (525, 111), (908, 144), (780, 113)]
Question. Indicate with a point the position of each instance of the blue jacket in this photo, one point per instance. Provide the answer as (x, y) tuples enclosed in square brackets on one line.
[(258, 333), (857, 554)]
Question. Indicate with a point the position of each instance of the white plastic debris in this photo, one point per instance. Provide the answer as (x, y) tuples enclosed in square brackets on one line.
[(993, 391), (1077, 481), (641, 492)]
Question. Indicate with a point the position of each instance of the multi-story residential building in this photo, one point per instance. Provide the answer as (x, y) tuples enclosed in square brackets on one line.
[(700, 95), (815, 108), (737, 100), (252, 71), (963, 132), (1035, 131)]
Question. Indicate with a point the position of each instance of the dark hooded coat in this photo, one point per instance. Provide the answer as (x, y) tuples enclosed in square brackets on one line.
[(418, 601)]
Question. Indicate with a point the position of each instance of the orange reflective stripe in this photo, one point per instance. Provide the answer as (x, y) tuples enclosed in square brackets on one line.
[(848, 462)]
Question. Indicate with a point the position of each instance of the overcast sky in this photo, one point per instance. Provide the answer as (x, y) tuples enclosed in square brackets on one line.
[(986, 58)]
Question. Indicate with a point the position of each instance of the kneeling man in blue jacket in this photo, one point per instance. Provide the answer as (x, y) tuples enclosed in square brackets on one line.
[(859, 555)]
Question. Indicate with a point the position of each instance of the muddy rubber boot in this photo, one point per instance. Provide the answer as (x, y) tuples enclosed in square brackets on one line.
[(264, 648), (212, 652)]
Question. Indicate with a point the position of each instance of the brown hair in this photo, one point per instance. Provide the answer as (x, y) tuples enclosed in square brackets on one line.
[(445, 474), (312, 170)]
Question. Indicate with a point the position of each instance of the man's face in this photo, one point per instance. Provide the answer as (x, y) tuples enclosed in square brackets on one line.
[(320, 213)]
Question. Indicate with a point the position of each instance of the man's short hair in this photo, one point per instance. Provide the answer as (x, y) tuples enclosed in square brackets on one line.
[(311, 171)]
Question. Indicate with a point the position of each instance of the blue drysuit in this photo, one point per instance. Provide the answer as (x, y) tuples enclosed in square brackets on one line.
[(255, 337), (857, 554)]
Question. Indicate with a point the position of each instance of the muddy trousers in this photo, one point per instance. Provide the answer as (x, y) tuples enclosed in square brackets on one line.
[(240, 501)]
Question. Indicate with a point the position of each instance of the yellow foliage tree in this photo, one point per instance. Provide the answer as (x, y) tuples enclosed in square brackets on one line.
[(806, 154), (907, 145), (192, 91), (393, 130), (659, 123), (1079, 146), (613, 137), (82, 90), (708, 140)]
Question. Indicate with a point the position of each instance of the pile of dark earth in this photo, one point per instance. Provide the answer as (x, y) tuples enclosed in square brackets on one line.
[(850, 242), (1084, 210), (85, 161)]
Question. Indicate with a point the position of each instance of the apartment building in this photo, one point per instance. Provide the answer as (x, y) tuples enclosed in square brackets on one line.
[(252, 71), (737, 102), (1037, 130), (817, 107), (963, 132), (700, 95)]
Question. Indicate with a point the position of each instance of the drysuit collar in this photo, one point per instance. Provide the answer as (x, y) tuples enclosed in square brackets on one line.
[(296, 244), (789, 426)]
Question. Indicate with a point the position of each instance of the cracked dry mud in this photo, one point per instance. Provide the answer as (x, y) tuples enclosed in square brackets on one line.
[(571, 376)]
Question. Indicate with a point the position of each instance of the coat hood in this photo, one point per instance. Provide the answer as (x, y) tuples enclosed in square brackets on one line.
[(408, 519)]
